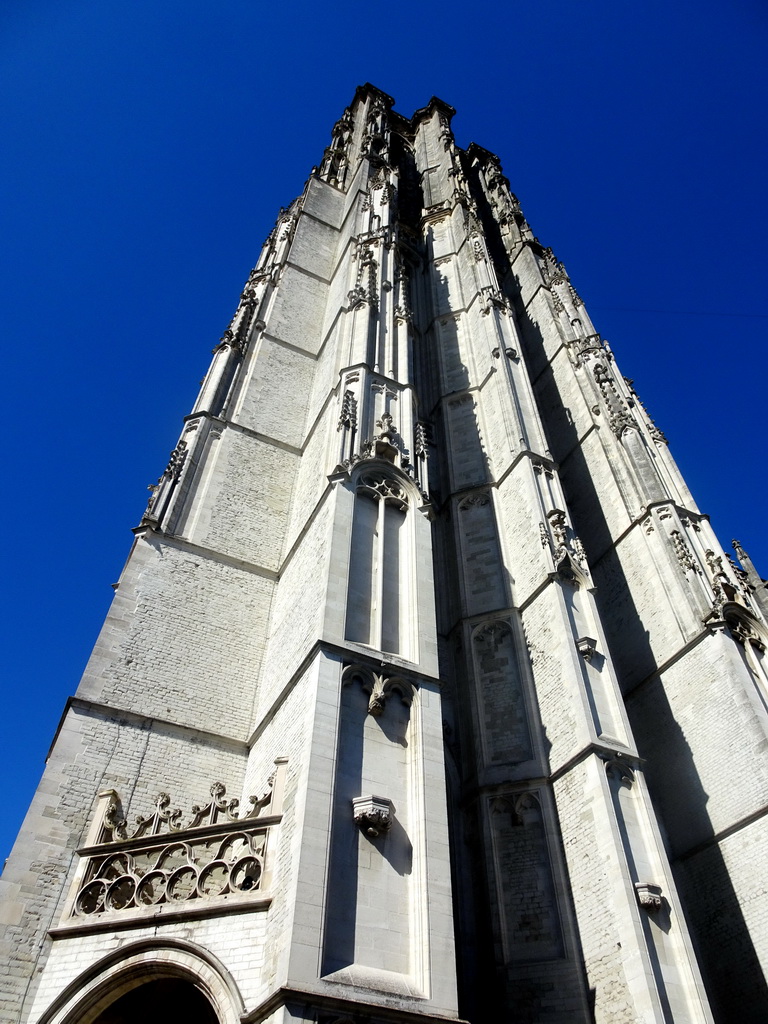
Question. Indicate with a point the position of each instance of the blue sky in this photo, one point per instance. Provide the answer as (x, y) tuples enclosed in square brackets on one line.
[(148, 147)]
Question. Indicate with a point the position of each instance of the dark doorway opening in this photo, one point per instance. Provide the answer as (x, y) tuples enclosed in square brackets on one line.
[(158, 1002)]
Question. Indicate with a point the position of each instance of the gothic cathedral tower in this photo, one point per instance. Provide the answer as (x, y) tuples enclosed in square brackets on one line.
[(429, 696)]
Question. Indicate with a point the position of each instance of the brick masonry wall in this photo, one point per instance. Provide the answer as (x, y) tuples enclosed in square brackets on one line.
[(94, 751), (182, 626)]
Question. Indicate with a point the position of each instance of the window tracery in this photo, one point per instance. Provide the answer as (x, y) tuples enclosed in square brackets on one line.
[(378, 600)]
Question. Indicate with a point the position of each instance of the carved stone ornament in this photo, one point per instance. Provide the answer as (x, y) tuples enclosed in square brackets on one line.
[(649, 896), (176, 461), (491, 298), (742, 625), (379, 687), (587, 347), (422, 440), (619, 416), (165, 819), (567, 552), (683, 553), (384, 488), (723, 587), (653, 430), (373, 815), (491, 633), (477, 500), (619, 769), (348, 415)]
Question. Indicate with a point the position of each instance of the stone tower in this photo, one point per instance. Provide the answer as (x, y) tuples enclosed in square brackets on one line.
[(428, 696)]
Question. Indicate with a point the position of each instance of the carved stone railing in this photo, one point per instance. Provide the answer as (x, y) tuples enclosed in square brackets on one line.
[(166, 865)]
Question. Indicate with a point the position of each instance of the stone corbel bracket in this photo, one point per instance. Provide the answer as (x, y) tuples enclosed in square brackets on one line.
[(586, 647), (373, 814), (649, 896)]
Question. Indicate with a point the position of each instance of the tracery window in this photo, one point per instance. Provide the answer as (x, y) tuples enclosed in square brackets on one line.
[(380, 579)]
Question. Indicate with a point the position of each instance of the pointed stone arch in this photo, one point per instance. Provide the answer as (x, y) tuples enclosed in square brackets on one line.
[(124, 970)]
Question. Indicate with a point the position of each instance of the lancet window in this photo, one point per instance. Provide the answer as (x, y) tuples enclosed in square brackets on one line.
[(378, 601)]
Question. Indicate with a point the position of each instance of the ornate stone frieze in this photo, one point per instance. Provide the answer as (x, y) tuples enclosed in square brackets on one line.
[(219, 851), (403, 310), (176, 873), (723, 589), (585, 348), (552, 270), (176, 461), (165, 820)]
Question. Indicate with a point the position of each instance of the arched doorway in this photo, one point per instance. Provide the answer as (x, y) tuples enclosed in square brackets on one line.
[(158, 1002)]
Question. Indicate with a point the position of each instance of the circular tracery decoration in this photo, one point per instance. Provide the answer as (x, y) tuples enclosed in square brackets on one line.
[(90, 900), (174, 874), (151, 888), (120, 893), (213, 878)]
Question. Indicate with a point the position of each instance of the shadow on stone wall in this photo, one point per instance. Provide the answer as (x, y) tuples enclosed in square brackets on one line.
[(510, 958), (733, 977)]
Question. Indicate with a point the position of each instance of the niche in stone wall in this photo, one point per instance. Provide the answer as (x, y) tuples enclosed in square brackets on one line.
[(370, 906), (529, 920), (631, 824), (501, 700), (469, 462), (481, 565), (379, 598), (664, 942), (635, 446)]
